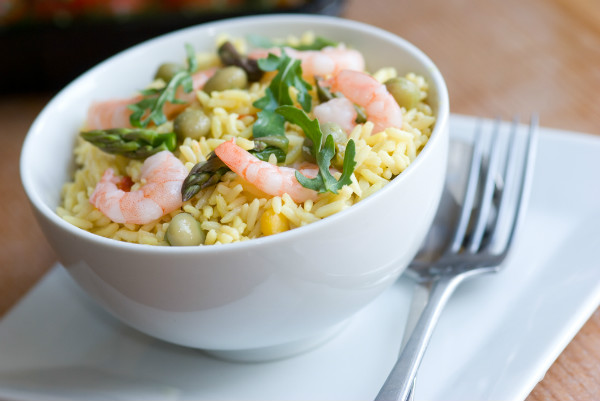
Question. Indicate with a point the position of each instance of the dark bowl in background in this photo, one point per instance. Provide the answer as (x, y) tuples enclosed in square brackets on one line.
[(43, 48)]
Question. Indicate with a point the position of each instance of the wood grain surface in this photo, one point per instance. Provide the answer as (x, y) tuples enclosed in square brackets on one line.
[(498, 57)]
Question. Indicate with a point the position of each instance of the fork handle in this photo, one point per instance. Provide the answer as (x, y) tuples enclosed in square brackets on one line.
[(398, 383)]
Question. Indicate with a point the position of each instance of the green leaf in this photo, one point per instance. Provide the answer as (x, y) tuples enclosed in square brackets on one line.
[(191, 58), (349, 164), (324, 181), (316, 184), (324, 161), (265, 154), (269, 123), (150, 107), (272, 140), (267, 102), (289, 74), (269, 63), (311, 128)]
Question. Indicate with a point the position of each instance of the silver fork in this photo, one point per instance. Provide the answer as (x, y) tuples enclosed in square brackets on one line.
[(491, 211)]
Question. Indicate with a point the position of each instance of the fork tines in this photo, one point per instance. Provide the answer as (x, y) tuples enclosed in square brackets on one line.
[(496, 191)]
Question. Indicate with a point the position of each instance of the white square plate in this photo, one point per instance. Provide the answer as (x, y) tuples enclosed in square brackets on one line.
[(496, 338)]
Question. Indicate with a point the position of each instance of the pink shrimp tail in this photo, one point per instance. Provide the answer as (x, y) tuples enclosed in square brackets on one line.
[(114, 113), (270, 179), (338, 110), (361, 88), (161, 194), (110, 113), (324, 62)]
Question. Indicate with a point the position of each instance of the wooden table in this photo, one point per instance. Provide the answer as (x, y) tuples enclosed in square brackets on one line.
[(498, 58)]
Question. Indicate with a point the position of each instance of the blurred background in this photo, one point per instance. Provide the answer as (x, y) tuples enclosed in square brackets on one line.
[(47, 43), (498, 57)]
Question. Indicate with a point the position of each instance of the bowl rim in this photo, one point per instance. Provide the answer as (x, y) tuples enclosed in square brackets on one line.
[(437, 133)]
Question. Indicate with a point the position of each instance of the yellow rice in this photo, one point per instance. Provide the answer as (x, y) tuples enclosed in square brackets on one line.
[(231, 210)]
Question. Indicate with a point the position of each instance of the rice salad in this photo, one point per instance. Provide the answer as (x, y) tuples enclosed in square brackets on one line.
[(220, 135)]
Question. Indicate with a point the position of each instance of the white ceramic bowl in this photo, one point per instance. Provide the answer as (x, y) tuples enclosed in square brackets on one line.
[(261, 298)]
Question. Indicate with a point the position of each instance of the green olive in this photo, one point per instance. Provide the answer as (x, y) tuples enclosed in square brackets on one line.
[(231, 77), (192, 123), (406, 92), (166, 71), (339, 139), (334, 129), (184, 230), (307, 151)]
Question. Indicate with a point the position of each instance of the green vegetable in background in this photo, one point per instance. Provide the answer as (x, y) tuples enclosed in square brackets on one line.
[(266, 43), (150, 108), (137, 143)]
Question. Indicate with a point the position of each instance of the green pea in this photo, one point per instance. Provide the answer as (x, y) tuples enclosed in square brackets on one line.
[(191, 123), (166, 71), (184, 230), (406, 92), (231, 77)]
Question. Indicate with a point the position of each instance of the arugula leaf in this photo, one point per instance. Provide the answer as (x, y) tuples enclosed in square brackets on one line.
[(289, 74), (150, 108), (267, 145), (269, 124), (324, 181), (266, 153), (311, 128)]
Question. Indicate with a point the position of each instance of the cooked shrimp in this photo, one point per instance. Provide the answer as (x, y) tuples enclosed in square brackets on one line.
[(110, 113), (163, 174), (272, 180), (115, 114), (364, 90), (338, 110), (325, 62)]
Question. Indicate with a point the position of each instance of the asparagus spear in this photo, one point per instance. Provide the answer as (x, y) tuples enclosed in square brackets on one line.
[(205, 174), (134, 143), (202, 175)]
